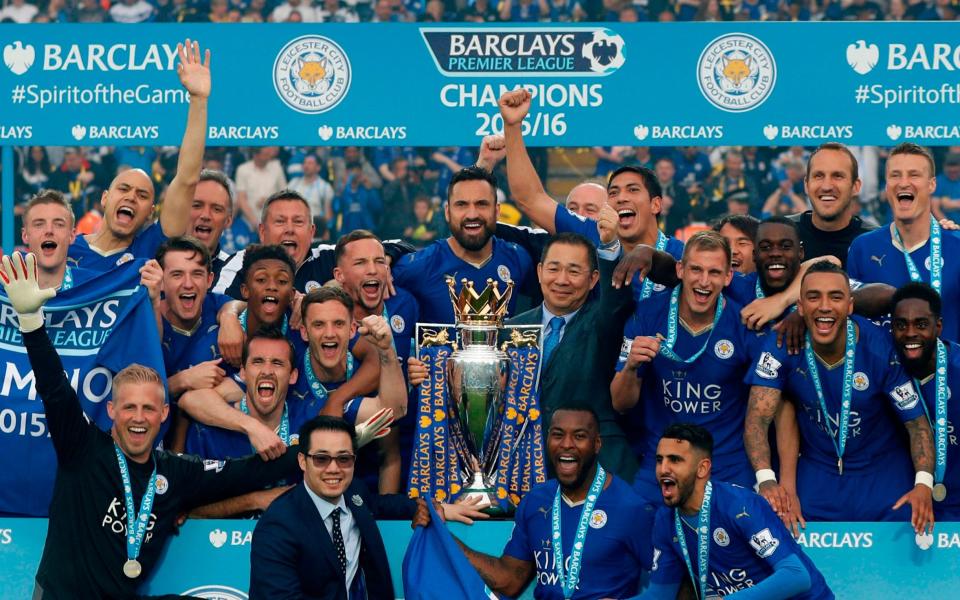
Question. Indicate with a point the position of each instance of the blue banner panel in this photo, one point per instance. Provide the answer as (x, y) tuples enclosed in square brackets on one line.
[(211, 559), (403, 84)]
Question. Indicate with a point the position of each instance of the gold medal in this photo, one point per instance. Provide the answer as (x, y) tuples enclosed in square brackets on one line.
[(939, 492), (132, 568)]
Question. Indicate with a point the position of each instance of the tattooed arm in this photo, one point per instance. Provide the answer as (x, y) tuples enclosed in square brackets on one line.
[(762, 408), (920, 497), (505, 575)]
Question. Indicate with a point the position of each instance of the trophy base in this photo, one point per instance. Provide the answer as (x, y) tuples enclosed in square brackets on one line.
[(489, 503)]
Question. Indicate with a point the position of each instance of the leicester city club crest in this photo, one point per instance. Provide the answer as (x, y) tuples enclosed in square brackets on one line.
[(736, 72), (723, 349), (312, 74), (860, 381), (598, 519)]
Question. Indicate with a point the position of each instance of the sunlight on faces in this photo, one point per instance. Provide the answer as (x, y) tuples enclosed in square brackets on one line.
[(573, 444), (209, 213), (137, 410), (332, 481), (267, 373), (909, 186), (472, 212), (128, 203), (362, 272), (288, 224), (703, 274), (628, 195), (741, 248), (327, 329), (830, 185), (679, 465), (586, 199), (825, 303), (778, 255), (185, 283), (915, 331), (48, 232), (268, 290), (566, 278)]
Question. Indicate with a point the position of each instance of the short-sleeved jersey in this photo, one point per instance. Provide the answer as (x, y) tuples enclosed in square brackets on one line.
[(566, 221), (928, 387), (182, 349), (882, 394), (214, 443), (873, 258), (423, 275), (616, 549), (144, 246), (746, 541), (709, 392)]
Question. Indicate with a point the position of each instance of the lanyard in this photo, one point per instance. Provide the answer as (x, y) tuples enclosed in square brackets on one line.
[(284, 431), (647, 284), (67, 280), (939, 425), (568, 583), (703, 540), (758, 289), (840, 438), (136, 522), (316, 387), (243, 322), (936, 251), (666, 348)]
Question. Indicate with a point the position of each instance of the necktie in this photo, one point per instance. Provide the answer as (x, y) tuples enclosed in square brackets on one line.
[(553, 338), (338, 539)]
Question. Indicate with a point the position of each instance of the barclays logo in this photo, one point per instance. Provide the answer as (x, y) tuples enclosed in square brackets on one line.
[(862, 57), (18, 58)]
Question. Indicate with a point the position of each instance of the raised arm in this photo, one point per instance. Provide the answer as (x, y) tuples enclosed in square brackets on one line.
[(195, 78), (525, 185), (363, 383)]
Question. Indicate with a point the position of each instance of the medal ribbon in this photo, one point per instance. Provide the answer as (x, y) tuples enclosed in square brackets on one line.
[(666, 348), (283, 432), (243, 322), (647, 284), (67, 280), (936, 253), (136, 522), (316, 387), (839, 439), (939, 425), (568, 583), (703, 540)]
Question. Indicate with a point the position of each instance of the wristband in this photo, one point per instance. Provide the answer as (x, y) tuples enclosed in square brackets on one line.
[(765, 475), (924, 478)]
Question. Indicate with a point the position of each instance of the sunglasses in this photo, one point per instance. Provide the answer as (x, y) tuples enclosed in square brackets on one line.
[(322, 461)]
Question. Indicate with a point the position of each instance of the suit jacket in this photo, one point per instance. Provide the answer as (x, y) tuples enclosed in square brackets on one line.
[(583, 365), (292, 555)]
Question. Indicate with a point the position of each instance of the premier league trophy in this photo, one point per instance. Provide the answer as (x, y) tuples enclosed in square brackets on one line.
[(491, 445)]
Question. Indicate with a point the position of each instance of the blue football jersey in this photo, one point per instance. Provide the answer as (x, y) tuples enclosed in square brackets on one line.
[(873, 258), (617, 546), (709, 392), (746, 541), (182, 349), (144, 246), (882, 394), (422, 274)]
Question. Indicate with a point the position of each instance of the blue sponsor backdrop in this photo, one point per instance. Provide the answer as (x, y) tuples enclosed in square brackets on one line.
[(211, 559), (402, 84)]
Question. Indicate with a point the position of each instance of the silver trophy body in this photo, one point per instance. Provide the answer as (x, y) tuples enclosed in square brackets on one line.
[(476, 378)]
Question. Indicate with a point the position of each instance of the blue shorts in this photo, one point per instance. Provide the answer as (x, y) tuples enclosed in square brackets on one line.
[(862, 495)]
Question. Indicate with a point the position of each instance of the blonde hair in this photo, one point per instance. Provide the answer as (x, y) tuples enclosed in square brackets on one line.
[(707, 241), (137, 373)]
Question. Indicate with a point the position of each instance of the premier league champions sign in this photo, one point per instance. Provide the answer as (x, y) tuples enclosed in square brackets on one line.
[(479, 428), (403, 84)]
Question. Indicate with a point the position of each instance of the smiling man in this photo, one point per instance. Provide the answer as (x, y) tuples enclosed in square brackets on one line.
[(211, 212), (48, 232), (933, 363), (905, 250), (584, 507), (847, 383), (116, 500), (741, 232), (742, 549), (128, 203), (684, 356)]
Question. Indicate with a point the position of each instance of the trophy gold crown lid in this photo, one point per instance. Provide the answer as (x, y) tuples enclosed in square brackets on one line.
[(488, 307)]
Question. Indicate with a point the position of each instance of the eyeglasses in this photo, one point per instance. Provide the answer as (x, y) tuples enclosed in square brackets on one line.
[(322, 461)]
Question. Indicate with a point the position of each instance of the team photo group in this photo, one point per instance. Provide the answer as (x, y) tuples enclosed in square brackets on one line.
[(659, 410)]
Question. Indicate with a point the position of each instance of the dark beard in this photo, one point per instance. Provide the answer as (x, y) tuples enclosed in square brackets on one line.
[(919, 367), (473, 244), (581, 478)]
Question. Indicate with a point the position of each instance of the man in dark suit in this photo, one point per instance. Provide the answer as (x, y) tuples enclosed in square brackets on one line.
[(581, 338), (320, 540)]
